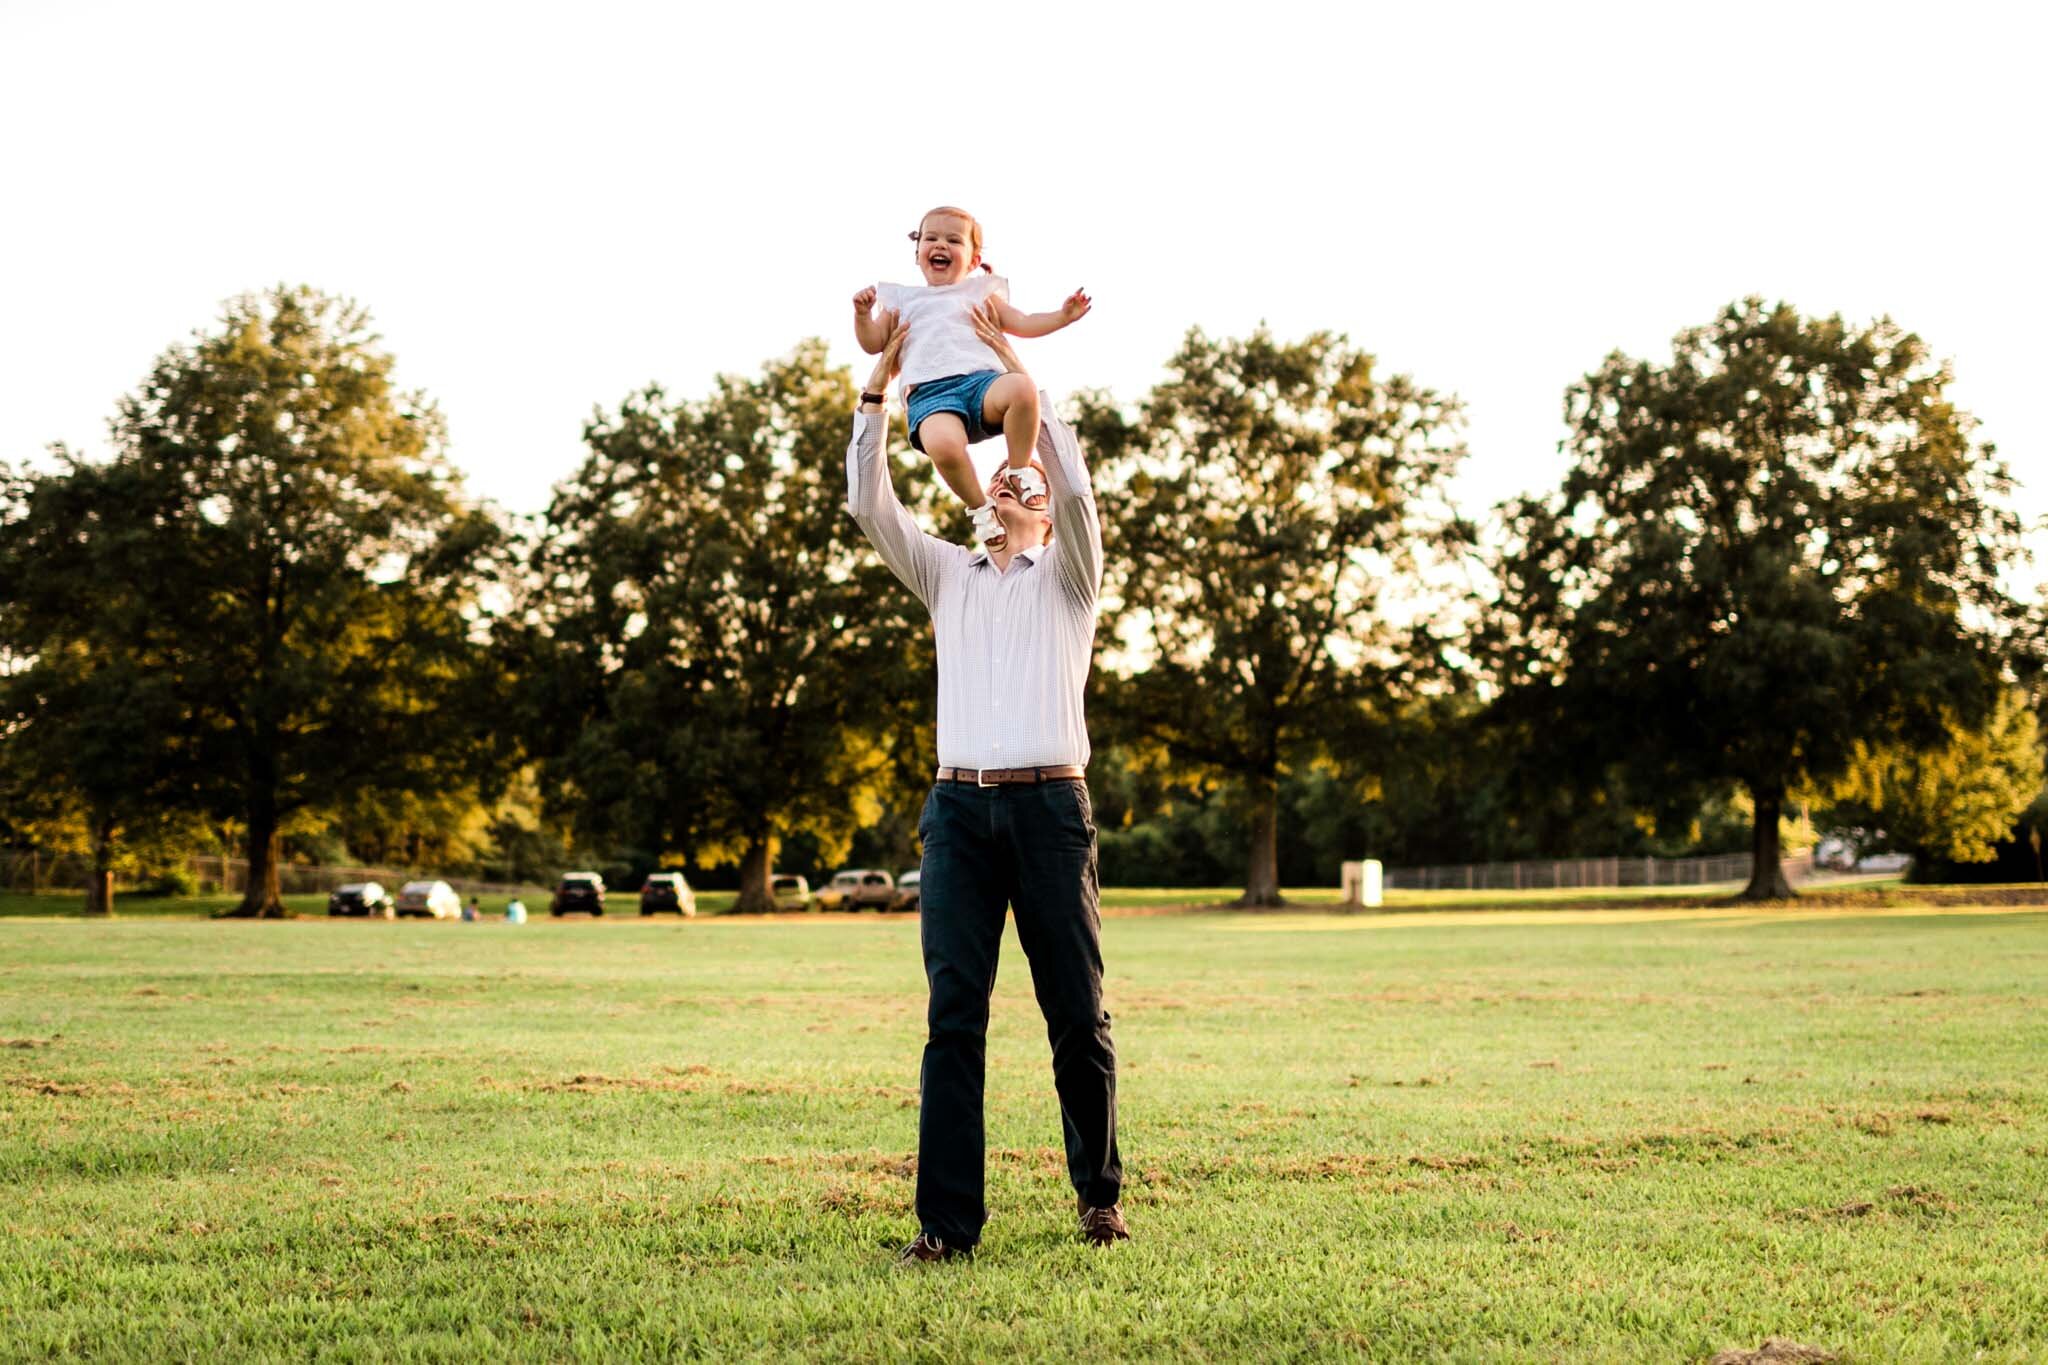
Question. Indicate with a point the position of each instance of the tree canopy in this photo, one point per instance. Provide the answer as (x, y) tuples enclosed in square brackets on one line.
[(1261, 502), (1782, 542), (715, 659), (274, 577)]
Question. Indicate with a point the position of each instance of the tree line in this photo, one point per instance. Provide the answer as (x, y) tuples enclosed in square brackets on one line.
[(1775, 576)]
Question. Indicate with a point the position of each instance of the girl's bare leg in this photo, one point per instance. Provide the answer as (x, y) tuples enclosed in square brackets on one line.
[(1011, 406), (945, 440)]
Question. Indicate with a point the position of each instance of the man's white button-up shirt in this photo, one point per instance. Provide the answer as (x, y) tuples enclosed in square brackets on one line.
[(1014, 646)]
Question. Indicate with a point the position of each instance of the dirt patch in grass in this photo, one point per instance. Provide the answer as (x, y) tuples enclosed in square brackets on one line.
[(866, 1197), (28, 1043), (1915, 1199), (1776, 1351), (593, 1083), (1337, 1166), (1921, 1198), (83, 1090), (1624, 1150)]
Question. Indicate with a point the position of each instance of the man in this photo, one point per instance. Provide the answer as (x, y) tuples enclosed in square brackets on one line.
[(1008, 822)]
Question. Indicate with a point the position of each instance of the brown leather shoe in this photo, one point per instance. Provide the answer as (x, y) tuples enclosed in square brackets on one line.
[(1100, 1227), (925, 1247)]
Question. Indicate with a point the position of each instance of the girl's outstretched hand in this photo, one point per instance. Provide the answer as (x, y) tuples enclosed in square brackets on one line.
[(1077, 305), (988, 325)]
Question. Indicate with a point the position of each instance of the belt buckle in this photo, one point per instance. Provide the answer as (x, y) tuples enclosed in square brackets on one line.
[(981, 778)]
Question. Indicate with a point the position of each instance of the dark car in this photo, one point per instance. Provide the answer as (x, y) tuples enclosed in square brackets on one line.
[(359, 898), (578, 891), (667, 892)]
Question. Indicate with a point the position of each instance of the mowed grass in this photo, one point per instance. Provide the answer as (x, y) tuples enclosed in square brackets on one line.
[(1544, 1134)]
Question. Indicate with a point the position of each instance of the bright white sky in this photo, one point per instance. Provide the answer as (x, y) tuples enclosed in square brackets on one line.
[(547, 207)]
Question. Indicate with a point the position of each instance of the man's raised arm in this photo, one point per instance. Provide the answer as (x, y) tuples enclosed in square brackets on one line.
[(871, 498), (1077, 530)]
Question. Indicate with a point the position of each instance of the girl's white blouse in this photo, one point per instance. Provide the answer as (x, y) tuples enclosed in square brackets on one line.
[(942, 341)]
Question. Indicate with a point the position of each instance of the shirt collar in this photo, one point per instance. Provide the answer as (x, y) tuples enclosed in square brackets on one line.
[(1029, 553)]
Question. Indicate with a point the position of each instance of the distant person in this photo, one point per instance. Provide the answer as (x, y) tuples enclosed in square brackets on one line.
[(951, 383), (472, 910), (1008, 823), (515, 911)]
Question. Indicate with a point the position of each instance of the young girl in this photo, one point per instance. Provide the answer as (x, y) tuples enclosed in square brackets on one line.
[(953, 383)]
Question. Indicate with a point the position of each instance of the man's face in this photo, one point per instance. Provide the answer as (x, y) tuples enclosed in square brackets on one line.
[(1015, 516), (945, 249)]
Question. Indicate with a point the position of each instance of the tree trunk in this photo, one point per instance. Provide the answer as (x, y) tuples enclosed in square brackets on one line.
[(1262, 876), (1767, 869), (261, 898), (99, 887), (755, 867)]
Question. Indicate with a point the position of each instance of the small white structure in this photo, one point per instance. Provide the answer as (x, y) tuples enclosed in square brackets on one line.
[(1362, 884)]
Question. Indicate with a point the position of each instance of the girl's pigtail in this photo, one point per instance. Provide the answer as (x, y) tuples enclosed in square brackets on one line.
[(989, 268)]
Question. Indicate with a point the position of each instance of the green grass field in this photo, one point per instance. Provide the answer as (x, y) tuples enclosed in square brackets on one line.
[(1626, 1134)]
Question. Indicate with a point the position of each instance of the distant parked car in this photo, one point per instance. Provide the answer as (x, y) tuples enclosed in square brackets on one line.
[(429, 900), (906, 890), (578, 891), (790, 893), (667, 892), (359, 898), (858, 888)]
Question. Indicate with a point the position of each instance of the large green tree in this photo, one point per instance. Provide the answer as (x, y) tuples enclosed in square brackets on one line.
[(91, 717), (1261, 503), (1782, 541), (284, 522), (713, 659)]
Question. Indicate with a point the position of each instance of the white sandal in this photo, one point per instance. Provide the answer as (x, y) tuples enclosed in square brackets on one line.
[(988, 527), (1029, 486)]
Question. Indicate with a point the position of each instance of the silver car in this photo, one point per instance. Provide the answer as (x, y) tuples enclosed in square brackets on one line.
[(428, 900)]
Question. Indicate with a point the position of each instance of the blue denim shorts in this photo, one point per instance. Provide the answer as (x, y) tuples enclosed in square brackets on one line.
[(956, 393)]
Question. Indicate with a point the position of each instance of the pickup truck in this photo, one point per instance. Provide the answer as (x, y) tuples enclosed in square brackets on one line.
[(857, 888)]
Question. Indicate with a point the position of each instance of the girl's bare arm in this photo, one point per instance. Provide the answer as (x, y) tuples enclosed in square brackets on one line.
[(872, 332), (1043, 324)]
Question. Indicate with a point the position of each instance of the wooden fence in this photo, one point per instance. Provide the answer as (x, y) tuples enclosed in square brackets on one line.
[(1548, 873)]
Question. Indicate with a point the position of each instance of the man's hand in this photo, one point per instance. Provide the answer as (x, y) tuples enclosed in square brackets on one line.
[(1076, 307), (988, 325)]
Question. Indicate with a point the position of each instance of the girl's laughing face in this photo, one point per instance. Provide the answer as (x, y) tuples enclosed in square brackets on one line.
[(945, 249)]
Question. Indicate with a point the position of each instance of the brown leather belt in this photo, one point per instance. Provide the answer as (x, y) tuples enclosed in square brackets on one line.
[(989, 777)]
